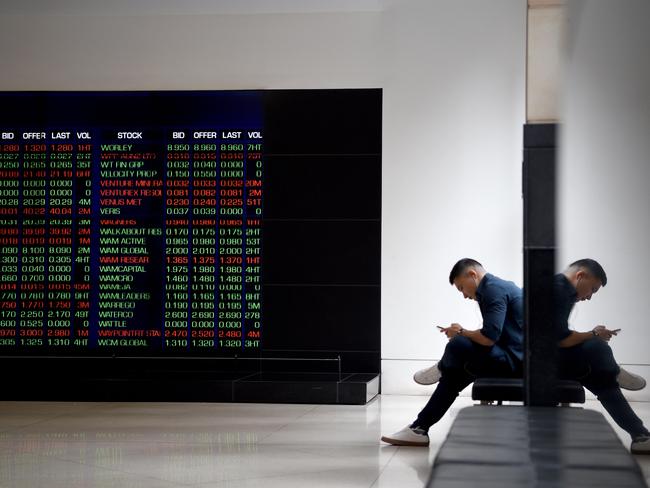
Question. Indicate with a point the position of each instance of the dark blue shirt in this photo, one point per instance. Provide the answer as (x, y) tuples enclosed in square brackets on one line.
[(565, 296), (501, 303)]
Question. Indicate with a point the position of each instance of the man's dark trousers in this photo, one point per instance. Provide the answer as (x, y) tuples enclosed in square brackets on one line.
[(462, 362), (592, 363)]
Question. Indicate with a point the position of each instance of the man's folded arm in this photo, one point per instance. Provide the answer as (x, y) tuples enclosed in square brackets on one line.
[(575, 338), (478, 337), (494, 315)]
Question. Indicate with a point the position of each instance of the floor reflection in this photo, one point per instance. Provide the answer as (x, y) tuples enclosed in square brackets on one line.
[(165, 445)]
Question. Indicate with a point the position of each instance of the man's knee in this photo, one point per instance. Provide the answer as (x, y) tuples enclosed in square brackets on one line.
[(597, 349), (457, 352), (600, 356), (459, 344)]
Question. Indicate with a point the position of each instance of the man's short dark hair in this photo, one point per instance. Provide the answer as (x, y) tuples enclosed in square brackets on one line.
[(593, 267), (461, 266)]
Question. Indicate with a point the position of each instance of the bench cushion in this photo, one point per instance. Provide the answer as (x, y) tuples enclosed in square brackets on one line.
[(516, 446), (512, 389)]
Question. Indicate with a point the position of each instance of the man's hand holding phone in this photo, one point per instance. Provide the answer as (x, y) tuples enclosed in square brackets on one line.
[(604, 333), (452, 331)]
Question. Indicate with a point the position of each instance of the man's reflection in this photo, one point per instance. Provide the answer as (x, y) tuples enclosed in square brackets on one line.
[(587, 357)]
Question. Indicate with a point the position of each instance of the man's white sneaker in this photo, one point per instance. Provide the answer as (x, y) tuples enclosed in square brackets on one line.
[(408, 437), (630, 381), (641, 445), (427, 376)]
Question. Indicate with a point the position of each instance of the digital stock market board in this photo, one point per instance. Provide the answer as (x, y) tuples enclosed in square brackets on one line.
[(136, 222)]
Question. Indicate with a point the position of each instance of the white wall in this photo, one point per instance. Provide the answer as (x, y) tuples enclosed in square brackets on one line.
[(453, 115), (605, 168), (453, 79)]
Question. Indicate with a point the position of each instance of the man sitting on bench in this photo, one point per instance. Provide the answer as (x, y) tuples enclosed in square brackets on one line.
[(586, 357), (494, 350)]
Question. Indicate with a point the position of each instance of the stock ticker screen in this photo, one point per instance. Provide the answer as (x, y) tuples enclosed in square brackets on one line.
[(133, 222)]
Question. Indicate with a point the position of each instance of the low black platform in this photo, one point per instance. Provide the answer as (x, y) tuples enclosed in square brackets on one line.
[(545, 447), (271, 380), (201, 386), (512, 390), (357, 389)]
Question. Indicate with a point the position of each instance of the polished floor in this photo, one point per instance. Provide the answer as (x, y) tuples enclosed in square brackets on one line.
[(137, 445)]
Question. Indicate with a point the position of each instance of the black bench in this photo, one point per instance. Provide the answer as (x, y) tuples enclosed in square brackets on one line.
[(516, 446), (512, 390)]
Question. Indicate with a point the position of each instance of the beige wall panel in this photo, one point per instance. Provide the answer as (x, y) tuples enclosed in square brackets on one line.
[(545, 60)]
